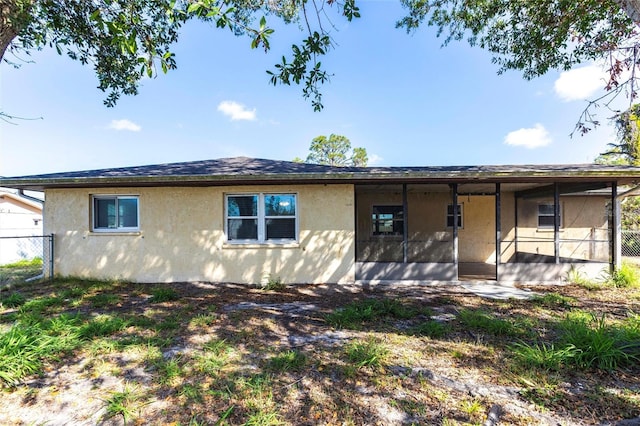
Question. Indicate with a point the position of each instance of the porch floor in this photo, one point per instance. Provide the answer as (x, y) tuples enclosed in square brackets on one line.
[(468, 271)]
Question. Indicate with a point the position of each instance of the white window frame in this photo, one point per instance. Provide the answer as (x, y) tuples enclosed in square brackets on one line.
[(460, 216), (538, 215), (118, 197), (261, 218)]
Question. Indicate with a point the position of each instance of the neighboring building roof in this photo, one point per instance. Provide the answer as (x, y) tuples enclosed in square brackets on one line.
[(243, 170), (17, 199)]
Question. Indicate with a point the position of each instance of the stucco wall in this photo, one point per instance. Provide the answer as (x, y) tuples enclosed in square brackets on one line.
[(182, 237)]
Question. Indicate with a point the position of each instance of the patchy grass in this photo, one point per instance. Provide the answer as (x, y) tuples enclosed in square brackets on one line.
[(354, 315), (431, 328), (161, 295), (487, 322), (368, 353), (552, 300), (185, 354), (13, 300), (287, 361), (18, 272)]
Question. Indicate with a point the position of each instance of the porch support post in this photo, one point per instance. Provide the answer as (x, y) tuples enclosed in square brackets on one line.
[(498, 232), (405, 225), (616, 229), (556, 222), (515, 225), (456, 262)]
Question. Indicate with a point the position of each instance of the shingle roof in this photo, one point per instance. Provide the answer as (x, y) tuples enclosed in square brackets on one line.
[(240, 170)]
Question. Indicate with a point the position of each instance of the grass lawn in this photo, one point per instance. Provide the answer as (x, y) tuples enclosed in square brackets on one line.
[(18, 272), (92, 352)]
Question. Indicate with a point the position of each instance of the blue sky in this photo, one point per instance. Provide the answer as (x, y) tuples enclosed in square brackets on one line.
[(402, 97)]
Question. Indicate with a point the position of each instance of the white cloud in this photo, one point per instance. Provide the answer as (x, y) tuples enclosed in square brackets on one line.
[(533, 137), (374, 159), (236, 111), (124, 125), (580, 83)]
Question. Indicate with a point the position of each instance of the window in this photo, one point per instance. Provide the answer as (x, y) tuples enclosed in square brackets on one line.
[(387, 220), (115, 213), (545, 216), (261, 217), (450, 216)]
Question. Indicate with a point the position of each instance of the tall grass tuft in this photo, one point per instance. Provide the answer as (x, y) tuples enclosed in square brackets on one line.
[(586, 341), (125, 404), (626, 276), (367, 353), (14, 300), (21, 352), (600, 345), (543, 356)]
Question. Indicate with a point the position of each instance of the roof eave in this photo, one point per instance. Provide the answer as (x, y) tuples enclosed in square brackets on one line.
[(622, 177)]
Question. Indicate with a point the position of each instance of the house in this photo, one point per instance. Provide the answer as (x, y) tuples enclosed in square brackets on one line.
[(244, 220), (20, 216)]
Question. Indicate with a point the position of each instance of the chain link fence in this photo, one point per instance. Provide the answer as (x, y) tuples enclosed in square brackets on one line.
[(630, 241), (25, 258)]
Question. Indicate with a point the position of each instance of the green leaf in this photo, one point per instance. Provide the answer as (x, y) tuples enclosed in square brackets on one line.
[(95, 15), (194, 7)]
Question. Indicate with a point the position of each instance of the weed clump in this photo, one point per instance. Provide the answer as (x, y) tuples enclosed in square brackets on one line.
[(14, 300), (369, 353), (357, 313), (626, 276), (586, 342), (161, 295)]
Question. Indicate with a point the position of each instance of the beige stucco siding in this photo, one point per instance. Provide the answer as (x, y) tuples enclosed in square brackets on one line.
[(182, 237)]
